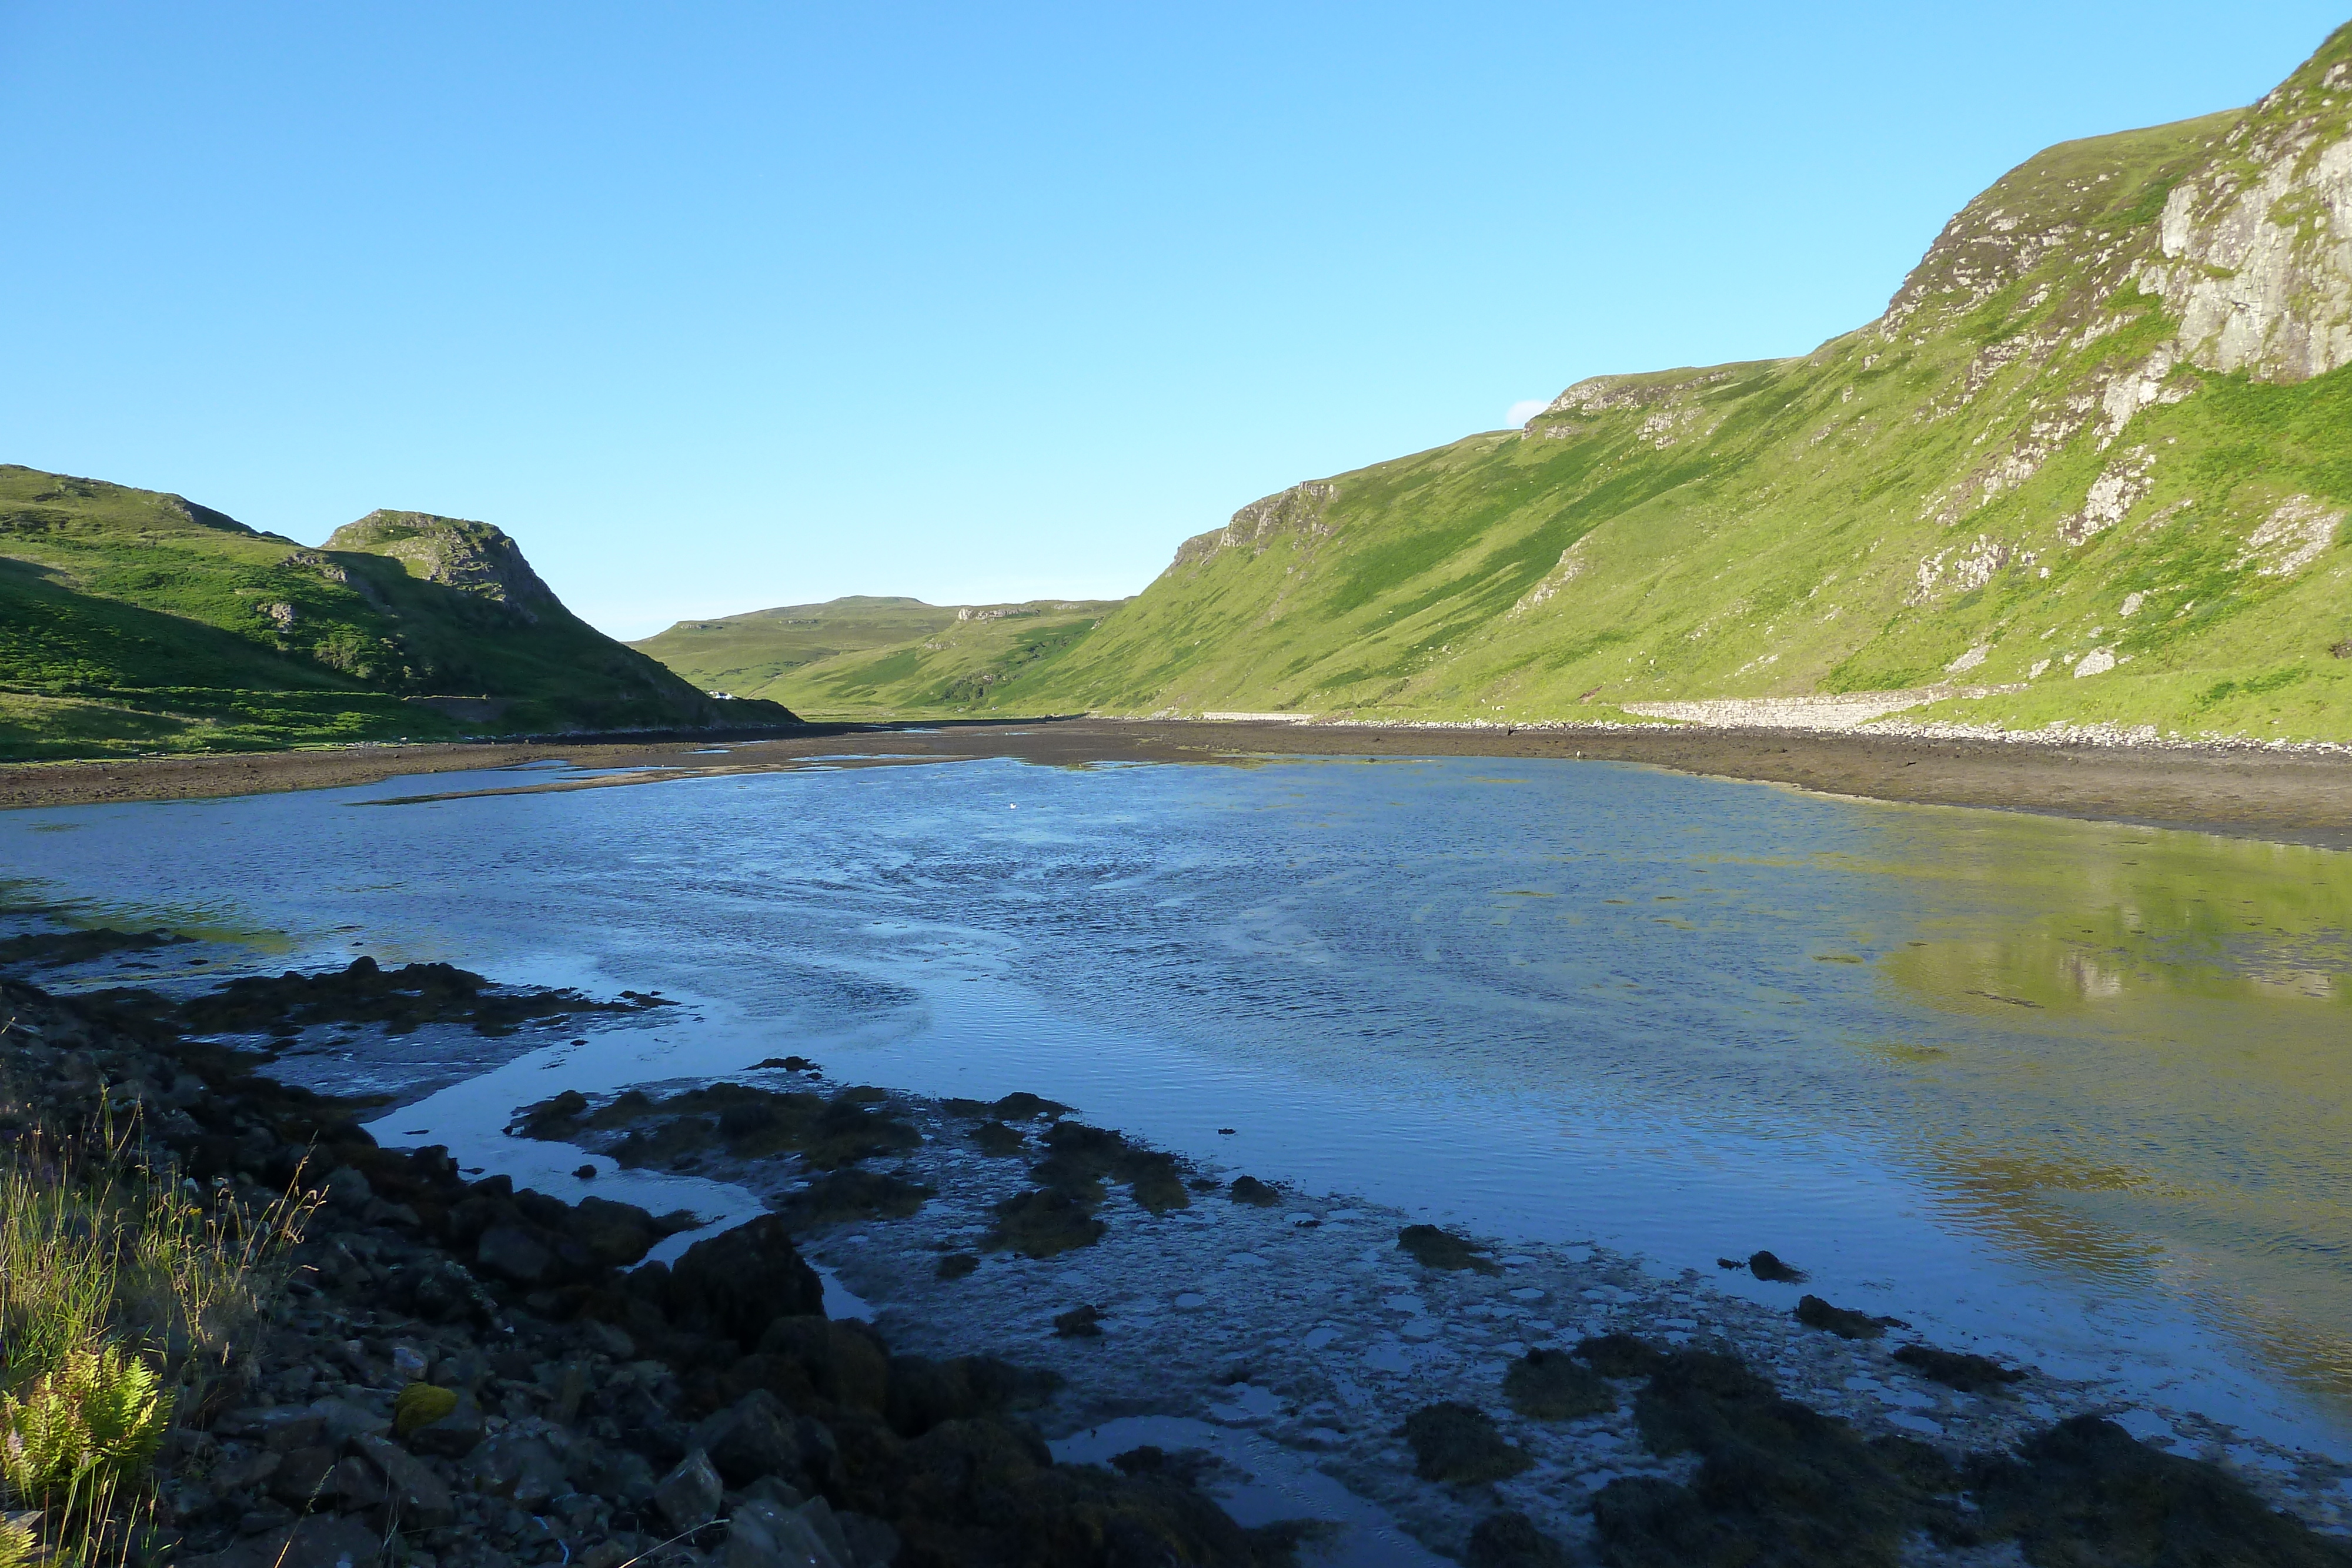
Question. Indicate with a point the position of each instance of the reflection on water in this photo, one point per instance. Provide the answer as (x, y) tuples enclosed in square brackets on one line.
[(2147, 1067), (2070, 1091)]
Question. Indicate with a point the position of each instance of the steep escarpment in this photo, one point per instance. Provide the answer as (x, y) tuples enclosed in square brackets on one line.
[(2091, 466), (134, 621)]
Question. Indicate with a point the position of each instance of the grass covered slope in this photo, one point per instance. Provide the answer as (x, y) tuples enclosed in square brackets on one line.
[(2091, 466), (741, 653), (132, 621), (864, 658)]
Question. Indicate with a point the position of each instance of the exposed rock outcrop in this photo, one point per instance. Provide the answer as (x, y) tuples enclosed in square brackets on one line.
[(474, 557)]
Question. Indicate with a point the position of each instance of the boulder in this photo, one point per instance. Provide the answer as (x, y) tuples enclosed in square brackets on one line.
[(420, 1498), (688, 1497), (842, 1361), (510, 1252), (616, 1235), (524, 1469), (762, 1535), (734, 1285), (757, 1437)]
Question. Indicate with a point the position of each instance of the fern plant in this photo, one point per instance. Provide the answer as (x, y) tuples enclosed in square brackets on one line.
[(78, 1430)]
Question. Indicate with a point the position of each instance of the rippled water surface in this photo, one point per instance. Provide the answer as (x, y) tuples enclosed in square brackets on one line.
[(2073, 1091)]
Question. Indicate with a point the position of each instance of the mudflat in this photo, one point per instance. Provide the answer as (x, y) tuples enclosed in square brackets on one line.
[(2295, 795)]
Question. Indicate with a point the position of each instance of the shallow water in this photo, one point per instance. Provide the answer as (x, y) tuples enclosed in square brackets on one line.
[(2067, 1090)]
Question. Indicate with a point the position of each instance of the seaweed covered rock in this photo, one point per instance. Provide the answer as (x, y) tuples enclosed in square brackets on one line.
[(1509, 1539), (1043, 1222), (924, 1393), (1778, 1483), (1552, 1385), (1435, 1249), (1843, 1322), (1029, 1511), (736, 1284), (1958, 1369), (1620, 1354), (854, 1194), (1256, 1194), (402, 999), (1457, 1442), (2086, 1492)]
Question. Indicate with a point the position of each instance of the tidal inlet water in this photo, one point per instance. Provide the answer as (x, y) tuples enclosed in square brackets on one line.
[(2070, 1092)]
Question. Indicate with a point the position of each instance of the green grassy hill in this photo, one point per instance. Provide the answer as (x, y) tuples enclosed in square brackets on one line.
[(864, 658), (132, 621), (2091, 466), (741, 653)]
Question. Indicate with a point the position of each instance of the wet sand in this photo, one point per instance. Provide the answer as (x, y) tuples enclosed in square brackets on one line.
[(2300, 797)]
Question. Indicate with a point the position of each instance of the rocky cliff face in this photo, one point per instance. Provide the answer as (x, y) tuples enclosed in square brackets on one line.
[(2255, 250), (1298, 510), (474, 557)]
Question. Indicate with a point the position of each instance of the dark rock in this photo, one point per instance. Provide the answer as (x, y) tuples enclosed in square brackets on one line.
[(926, 1393), (1079, 1322), (607, 1339), (764, 1534), (1256, 1194), (999, 1141), (872, 1543), (616, 1235), (1777, 1483), (248, 1469), (452, 1436), (526, 1471), (287, 1428), (304, 1475), (617, 1473), (1552, 1385), (1457, 1442), (1620, 1354), (1843, 1322), (850, 1194), (551, 1119), (757, 1436), (737, 1283), (512, 1254), (956, 1265), (319, 1541), (1957, 1369), (1022, 1106), (1509, 1539), (1435, 1249), (1765, 1266), (2086, 1492), (421, 1497), (346, 1420), (688, 1497), (1044, 1222), (843, 1361)]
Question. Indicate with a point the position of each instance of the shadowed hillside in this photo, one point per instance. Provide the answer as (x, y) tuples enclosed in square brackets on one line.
[(132, 621)]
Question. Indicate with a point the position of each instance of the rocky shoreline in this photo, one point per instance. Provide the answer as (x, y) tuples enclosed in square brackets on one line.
[(465, 1375)]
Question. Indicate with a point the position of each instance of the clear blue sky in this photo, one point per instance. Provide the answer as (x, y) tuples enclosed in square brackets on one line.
[(717, 306)]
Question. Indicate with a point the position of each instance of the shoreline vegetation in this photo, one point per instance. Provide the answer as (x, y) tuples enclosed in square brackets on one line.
[(2275, 790), (429, 1368)]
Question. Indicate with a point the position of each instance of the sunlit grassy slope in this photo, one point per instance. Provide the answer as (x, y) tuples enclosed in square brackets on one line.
[(2046, 475), (853, 659), (744, 653), (132, 621)]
